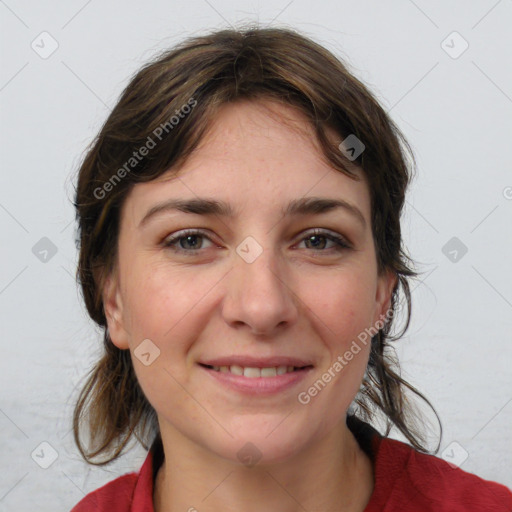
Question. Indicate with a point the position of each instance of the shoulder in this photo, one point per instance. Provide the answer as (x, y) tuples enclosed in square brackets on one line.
[(132, 492), (436, 484), (115, 496)]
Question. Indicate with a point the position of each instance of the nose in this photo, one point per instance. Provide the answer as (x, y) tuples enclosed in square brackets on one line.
[(258, 296)]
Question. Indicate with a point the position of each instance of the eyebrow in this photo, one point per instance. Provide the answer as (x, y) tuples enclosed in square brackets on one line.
[(205, 206)]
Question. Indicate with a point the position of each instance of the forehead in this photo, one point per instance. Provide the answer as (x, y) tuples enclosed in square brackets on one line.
[(255, 154)]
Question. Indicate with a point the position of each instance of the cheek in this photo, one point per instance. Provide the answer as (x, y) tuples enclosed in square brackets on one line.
[(165, 305), (170, 307), (342, 307), (342, 304)]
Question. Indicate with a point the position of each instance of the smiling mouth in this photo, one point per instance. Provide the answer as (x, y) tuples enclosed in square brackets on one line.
[(253, 372)]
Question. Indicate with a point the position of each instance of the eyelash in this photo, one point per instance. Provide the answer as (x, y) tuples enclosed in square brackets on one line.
[(172, 242)]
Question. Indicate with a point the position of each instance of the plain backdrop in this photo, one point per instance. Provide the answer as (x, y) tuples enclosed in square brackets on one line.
[(63, 66)]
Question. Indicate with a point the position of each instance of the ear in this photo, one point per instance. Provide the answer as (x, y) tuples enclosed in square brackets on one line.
[(385, 286), (114, 312)]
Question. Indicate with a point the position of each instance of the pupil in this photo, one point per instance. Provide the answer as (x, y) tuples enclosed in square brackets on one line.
[(317, 238), (189, 237)]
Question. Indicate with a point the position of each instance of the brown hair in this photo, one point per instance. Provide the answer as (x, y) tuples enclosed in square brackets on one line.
[(205, 72)]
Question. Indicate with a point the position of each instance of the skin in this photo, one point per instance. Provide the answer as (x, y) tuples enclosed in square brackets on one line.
[(297, 298)]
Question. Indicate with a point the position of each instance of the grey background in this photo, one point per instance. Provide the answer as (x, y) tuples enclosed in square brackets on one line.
[(455, 108)]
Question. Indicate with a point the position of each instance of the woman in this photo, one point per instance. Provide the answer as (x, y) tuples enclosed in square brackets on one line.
[(240, 244)]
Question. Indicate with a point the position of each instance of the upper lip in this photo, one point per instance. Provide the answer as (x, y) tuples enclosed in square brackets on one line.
[(257, 362)]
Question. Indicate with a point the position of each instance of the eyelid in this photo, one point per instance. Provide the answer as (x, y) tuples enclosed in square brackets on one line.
[(341, 242), (328, 234), (175, 237)]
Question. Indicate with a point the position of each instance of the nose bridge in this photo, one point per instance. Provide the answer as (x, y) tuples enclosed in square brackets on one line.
[(258, 294)]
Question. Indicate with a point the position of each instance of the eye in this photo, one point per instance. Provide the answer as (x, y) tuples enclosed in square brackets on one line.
[(188, 241), (318, 238)]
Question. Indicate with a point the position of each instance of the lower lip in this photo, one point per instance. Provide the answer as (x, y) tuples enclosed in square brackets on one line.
[(259, 385)]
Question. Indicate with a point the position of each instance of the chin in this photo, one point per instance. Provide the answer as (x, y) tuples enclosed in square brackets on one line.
[(262, 442)]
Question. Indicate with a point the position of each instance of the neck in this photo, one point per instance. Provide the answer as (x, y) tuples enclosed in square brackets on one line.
[(333, 474)]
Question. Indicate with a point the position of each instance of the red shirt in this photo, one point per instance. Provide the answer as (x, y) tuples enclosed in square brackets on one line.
[(405, 481)]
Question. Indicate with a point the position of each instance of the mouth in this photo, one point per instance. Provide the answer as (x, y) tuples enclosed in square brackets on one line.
[(258, 379), (253, 372)]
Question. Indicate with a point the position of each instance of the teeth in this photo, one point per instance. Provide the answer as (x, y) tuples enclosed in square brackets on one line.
[(267, 372), (252, 373), (281, 370), (237, 370)]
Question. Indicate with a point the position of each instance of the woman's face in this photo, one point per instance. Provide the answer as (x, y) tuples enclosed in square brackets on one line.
[(260, 287)]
